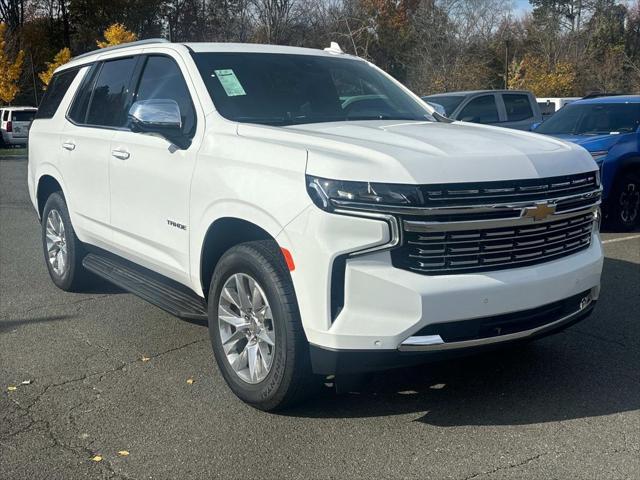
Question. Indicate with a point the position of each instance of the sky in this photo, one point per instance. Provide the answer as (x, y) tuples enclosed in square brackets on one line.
[(522, 6)]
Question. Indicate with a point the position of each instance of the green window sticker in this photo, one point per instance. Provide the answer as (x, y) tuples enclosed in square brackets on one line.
[(230, 83)]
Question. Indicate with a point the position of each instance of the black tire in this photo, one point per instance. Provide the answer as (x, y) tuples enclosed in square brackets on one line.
[(74, 278), (624, 202), (289, 379)]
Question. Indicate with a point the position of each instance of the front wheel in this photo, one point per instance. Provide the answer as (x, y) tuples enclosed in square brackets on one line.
[(255, 327), (625, 201)]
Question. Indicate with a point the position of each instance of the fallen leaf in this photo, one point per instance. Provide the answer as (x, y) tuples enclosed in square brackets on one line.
[(11, 388), (190, 381), (97, 458), (26, 382), (145, 359), (123, 453)]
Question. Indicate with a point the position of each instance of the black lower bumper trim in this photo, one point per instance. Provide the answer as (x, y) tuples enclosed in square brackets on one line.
[(326, 361)]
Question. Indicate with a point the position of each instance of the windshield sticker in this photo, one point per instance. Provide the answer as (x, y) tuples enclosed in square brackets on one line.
[(230, 83)]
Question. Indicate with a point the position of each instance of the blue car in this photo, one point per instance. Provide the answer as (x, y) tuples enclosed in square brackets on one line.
[(609, 128)]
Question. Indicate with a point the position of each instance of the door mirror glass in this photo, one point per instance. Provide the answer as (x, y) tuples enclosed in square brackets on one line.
[(161, 116)]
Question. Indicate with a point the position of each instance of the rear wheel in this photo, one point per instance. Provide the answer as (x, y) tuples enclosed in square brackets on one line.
[(63, 251), (255, 327), (625, 201)]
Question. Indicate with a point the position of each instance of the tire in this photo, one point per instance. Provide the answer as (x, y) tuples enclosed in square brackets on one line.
[(66, 270), (281, 375), (624, 209)]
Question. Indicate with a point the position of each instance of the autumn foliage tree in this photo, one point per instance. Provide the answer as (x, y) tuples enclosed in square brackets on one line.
[(115, 35), (10, 70), (62, 57), (542, 78)]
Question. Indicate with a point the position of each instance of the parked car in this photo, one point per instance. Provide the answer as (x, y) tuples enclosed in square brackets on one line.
[(15, 123), (503, 108), (609, 128), (550, 105), (235, 184)]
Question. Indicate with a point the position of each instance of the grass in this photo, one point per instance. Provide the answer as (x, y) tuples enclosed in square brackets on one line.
[(12, 152)]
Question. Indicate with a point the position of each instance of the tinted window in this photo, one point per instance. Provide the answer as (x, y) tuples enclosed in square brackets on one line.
[(23, 115), (162, 79), (517, 106), (448, 102), (5, 115), (284, 89), (111, 94), (480, 110), (55, 92), (78, 110), (593, 119)]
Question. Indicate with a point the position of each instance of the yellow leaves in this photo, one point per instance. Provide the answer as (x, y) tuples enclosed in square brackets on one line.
[(62, 57), (96, 458), (123, 453), (190, 381), (12, 388), (542, 78), (145, 359), (9, 70), (115, 35)]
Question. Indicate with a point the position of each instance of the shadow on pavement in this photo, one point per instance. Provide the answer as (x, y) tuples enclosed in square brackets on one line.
[(589, 370), (7, 325)]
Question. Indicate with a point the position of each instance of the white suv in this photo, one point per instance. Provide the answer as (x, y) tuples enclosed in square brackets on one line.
[(320, 216), (14, 124)]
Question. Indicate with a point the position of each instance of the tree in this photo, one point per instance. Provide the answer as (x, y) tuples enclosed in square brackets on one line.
[(62, 57), (10, 70), (116, 34), (542, 78)]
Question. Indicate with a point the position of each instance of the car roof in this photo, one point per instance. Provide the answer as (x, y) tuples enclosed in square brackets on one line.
[(473, 92), (612, 99), (140, 46)]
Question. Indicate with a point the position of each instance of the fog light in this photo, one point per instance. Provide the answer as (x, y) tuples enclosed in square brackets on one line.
[(584, 303)]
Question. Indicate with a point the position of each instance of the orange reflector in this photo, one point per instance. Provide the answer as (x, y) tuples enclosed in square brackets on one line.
[(288, 258)]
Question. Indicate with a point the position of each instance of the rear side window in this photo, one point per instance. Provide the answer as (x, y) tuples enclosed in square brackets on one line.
[(23, 115), (55, 92), (78, 110), (162, 79), (5, 115), (517, 106), (480, 110), (111, 94)]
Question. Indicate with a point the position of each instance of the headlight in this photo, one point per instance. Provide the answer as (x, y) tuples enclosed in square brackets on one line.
[(599, 155), (329, 194)]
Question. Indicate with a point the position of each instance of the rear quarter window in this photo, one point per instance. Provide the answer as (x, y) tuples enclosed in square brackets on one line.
[(55, 92)]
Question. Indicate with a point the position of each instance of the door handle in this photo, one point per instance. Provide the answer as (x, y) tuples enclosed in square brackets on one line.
[(121, 154), (69, 146)]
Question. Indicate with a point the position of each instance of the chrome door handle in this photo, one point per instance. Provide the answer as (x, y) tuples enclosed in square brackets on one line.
[(121, 154), (69, 146)]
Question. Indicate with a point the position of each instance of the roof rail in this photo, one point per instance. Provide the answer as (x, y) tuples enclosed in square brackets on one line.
[(602, 94), (123, 45)]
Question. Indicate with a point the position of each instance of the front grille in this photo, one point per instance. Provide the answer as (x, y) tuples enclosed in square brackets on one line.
[(508, 191), (483, 249)]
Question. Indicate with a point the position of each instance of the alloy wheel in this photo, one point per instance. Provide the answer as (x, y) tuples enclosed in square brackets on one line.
[(56, 243), (630, 203), (247, 329)]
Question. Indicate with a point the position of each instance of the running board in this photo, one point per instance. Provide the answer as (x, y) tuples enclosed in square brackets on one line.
[(164, 293)]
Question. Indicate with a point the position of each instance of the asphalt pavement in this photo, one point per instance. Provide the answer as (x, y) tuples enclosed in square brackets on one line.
[(96, 385)]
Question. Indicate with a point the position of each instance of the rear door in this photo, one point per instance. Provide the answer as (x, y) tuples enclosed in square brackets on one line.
[(151, 177), (518, 109), (97, 113)]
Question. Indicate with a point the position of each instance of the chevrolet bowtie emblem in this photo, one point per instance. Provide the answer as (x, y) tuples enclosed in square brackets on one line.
[(540, 211)]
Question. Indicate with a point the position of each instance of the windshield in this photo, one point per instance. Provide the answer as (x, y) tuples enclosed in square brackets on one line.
[(284, 89), (448, 102), (593, 119)]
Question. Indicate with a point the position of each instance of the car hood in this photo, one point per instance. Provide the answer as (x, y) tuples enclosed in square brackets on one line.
[(425, 152), (592, 143)]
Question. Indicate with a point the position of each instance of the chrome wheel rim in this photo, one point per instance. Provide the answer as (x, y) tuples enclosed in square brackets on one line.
[(247, 329), (56, 243), (630, 203)]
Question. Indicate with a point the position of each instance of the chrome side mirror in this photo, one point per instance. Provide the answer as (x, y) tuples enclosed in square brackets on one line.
[(161, 116)]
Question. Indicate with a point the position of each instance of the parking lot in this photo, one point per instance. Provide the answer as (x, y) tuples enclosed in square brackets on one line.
[(86, 376)]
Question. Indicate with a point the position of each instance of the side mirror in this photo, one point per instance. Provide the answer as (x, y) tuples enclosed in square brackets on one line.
[(161, 116), (533, 126), (438, 108)]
